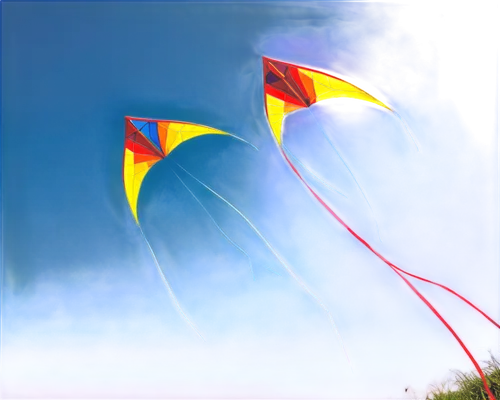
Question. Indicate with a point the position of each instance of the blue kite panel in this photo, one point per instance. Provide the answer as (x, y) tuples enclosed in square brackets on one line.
[(138, 123), (153, 134)]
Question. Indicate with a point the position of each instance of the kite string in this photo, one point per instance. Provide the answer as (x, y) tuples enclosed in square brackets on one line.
[(242, 140), (281, 261), (406, 128), (397, 271), (271, 270), (318, 178), (348, 169), (169, 289), (217, 225)]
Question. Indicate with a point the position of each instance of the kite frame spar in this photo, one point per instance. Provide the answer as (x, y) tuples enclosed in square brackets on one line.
[(299, 90), (151, 147)]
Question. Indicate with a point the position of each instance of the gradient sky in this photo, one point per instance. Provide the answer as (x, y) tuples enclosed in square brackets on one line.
[(84, 311)]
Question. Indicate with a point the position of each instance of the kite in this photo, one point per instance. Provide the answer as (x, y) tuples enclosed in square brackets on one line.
[(289, 87), (148, 141)]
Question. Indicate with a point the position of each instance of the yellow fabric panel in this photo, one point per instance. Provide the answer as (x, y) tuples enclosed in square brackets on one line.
[(140, 167), (379, 99), (276, 112), (180, 133), (133, 175), (136, 187), (327, 87), (191, 131), (129, 179), (176, 142), (128, 159), (172, 135)]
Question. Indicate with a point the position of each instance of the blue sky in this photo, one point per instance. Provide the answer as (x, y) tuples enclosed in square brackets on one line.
[(80, 287)]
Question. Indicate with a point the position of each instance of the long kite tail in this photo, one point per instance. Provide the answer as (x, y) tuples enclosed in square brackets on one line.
[(169, 289), (224, 234), (451, 291), (437, 314), (382, 257), (400, 273), (279, 258), (408, 131)]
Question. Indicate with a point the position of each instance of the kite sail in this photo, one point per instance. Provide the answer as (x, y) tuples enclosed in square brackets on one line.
[(289, 87), (148, 141)]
